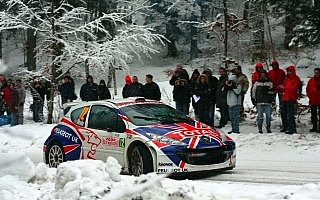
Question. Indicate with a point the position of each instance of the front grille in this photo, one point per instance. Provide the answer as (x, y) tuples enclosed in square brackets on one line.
[(205, 156)]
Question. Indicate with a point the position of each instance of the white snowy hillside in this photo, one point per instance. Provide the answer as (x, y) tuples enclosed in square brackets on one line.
[(269, 166)]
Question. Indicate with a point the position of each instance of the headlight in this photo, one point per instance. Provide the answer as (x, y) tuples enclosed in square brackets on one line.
[(223, 135), (166, 140)]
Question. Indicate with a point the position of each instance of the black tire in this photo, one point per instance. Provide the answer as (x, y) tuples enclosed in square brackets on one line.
[(141, 160), (55, 155)]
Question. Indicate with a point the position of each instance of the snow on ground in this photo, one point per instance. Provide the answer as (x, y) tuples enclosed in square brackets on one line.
[(278, 158)]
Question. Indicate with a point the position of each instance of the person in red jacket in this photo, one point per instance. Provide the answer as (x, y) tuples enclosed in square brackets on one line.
[(6, 92), (255, 76), (290, 89), (313, 93), (276, 75)]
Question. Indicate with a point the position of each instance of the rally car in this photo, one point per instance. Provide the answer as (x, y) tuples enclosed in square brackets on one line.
[(143, 135)]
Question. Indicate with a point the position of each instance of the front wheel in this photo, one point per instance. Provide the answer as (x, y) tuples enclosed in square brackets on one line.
[(141, 160), (56, 155)]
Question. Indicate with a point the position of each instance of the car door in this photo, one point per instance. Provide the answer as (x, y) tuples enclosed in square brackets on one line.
[(106, 135)]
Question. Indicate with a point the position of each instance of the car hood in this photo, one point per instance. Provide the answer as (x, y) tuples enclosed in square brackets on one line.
[(187, 132)]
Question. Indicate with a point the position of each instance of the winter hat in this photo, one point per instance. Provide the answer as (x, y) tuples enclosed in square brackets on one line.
[(259, 64), (207, 71), (128, 80), (196, 71), (149, 76), (3, 79), (9, 80), (274, 63), (238, 67)]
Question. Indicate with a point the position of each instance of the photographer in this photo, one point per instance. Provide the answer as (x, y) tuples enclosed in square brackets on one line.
[(233, 101), (178, 74), (313, 93)]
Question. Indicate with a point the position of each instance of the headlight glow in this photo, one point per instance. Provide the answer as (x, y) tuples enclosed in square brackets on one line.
[(166, 140)]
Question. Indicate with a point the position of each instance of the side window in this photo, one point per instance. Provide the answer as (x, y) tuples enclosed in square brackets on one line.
[(104, 118), (78, 116)]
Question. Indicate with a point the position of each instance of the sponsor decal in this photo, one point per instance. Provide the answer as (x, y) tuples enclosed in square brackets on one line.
[(93, 141), (122, 143), (161, 164), (162, 170), (180, 170), (110, 141), (67, 135)]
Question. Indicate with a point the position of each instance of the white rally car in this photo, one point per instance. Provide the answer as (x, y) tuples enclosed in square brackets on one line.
[(143, 135)]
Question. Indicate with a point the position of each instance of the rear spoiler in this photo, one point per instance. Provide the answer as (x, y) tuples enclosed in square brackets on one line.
[(67, 105)]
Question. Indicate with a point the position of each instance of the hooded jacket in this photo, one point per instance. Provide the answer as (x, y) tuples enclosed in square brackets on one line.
[(233, 93), (182, 93), (14, 102), (89, 91), (255, 76), (291, 85), (203, 90), (221, 92), (313, 91), (103, 91), (276, 75)]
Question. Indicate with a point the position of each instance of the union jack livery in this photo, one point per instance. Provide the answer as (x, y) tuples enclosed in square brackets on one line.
[(143, 135)]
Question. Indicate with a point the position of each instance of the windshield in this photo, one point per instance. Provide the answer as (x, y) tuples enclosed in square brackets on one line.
[(148, 114)]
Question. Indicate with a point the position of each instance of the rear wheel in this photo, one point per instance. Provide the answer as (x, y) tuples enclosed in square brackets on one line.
[(141, 160), (56, 155)]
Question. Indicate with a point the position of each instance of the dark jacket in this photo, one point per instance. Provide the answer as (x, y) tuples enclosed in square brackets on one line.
[(213, 83), (103, 92), (221, 92), (89, 91), (182, 93), (133, 90), (38, 93), (14, 101), (203, 91), (183, 75), (2, 107), (67, 91), (262, 91), (151, 91)]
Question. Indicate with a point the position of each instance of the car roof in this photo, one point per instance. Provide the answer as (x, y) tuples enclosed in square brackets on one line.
[(116, 102)]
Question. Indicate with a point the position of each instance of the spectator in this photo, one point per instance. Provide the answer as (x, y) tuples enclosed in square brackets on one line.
[(290, 88), (193, 82), (262, 93), (14, 104), (244, 82), (151, 89), (313, 93), (22, 97), (38, 92), (179, 73), (222, 98), (213, 81), (67, 92), (103, 91), (256, 73), (124, 89), (6, 92), (234, 102), (70, 78), (135, 89), (203, 91), (2, 105), (47, 86), (181, 95), (89, 90), (276, 75)]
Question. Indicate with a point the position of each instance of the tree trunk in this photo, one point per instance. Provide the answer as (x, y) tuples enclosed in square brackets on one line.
[(225, 42), (172, 48), (246, 10), (194, 42), (31, 53), (269, 31), (0, 45)]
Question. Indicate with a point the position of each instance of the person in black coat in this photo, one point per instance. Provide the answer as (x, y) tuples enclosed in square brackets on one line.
[(103, 91), (38, 92), (181, 95), (193, 83), (135, 89), (67, 92), (179, 73), (213, 82), (221, 95), (203, 91), (151, 89), (89, 90)]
